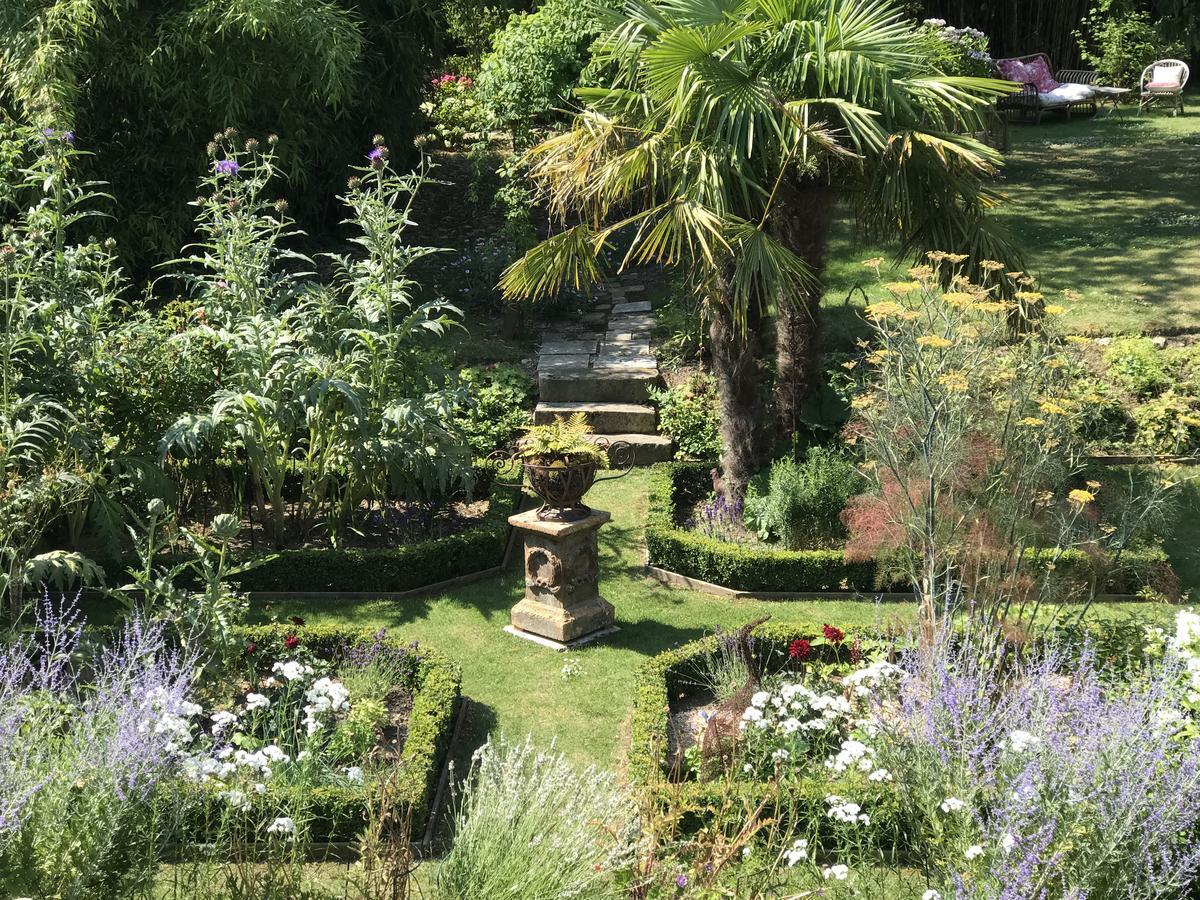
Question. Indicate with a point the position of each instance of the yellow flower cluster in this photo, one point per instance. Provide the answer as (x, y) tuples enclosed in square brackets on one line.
[(886, 308), (1078, 339), (955, 382), (1051, 408), (1080, 496), (1054, 309), (873, 263), (933, 340), (903, 288), (1032, 421), (943, 256)]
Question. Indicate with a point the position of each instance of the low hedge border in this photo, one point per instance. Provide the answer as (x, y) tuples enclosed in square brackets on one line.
[(337, 812), (676, 487), (388, 570), (800, 802)]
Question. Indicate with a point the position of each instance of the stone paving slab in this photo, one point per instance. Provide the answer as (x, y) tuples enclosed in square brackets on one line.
[(630, 321), (563, 361), (633, 306), (581, 346), (634, 346)]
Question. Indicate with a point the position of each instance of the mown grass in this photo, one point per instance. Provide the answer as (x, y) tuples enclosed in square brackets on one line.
[(519, 688), (1108, 207)]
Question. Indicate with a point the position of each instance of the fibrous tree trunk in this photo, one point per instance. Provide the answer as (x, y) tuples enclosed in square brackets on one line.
[(801, 222), (737, 367)]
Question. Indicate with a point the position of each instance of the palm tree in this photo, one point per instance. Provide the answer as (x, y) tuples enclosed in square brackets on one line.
[(727, 131)]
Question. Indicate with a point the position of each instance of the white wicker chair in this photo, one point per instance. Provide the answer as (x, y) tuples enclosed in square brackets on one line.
[(1168, 89)]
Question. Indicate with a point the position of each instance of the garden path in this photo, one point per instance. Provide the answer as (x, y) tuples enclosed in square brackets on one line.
[(602, 365)]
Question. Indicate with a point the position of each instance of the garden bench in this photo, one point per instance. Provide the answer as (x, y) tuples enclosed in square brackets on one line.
[(1067, 89)]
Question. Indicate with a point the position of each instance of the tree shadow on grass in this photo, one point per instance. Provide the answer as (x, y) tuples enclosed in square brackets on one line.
[(479, 724)]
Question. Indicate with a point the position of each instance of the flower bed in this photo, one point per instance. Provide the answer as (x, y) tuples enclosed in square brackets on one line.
[(392, 570), (334, 808), (678, 486), (798, 804)]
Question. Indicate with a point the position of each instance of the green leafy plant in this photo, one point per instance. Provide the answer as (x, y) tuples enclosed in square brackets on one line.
[(565, 440), (1119, 39), (801, 504), (689, 413), (496, 408), (1168, 424), (1137, 366)]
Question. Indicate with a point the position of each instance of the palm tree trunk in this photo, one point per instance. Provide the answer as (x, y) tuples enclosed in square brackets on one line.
[(737, 367), (801, 222)]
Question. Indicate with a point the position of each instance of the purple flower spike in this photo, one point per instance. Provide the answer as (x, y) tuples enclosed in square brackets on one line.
[(228, 167)]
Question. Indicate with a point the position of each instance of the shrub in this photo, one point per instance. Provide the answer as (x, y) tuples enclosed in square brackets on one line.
[(497, 407), (689, 414), (802, 502), (314, 71), (453, 111), (1119, 40), (531, 827), (535, 61), (675, 488), (1169, 424), (958, 51), (1103, 418), (1136, 365)]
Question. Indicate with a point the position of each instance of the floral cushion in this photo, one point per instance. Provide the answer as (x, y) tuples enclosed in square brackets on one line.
[(1039, 73), (1012, 69)]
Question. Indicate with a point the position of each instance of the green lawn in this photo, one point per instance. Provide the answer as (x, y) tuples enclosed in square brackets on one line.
[(1108, 207), (518, 687)]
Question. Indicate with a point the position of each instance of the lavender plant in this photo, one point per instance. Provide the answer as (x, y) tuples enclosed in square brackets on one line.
[(88, 749)]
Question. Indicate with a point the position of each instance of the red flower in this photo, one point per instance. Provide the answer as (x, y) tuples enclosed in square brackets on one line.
[(251, 648), (833, 635), (297, 621), (856, 653), (799, 649), (291, 642)]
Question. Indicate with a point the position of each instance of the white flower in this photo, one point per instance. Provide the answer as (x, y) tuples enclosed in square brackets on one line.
[(880, 775), (752, 714), (953, 804), (256, 701), (354, 774), (282, 825), (235, 799), (260, 788), (1020, 741), (838, 872), (798, 852), (973, 852), (931, 894), (780, 755), (1007, 842), (292, 670), (760, 699), (747, 768), (747, 851), (190, 709), (274, 754), (222, 720), (303, 755)]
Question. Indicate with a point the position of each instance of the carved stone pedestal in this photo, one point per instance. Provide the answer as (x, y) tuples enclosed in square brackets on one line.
[(562, 602)]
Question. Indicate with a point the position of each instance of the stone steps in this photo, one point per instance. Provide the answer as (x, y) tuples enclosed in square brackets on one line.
[(583, 385), (601, 365), (647, 448), (605, 418)]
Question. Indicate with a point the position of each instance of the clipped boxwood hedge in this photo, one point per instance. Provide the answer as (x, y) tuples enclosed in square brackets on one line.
[(338, 812), (677, 487), (800, 802), (393, 569)]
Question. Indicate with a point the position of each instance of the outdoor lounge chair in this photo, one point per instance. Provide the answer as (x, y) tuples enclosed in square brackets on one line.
[(1163, 81), (1067, 89)]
